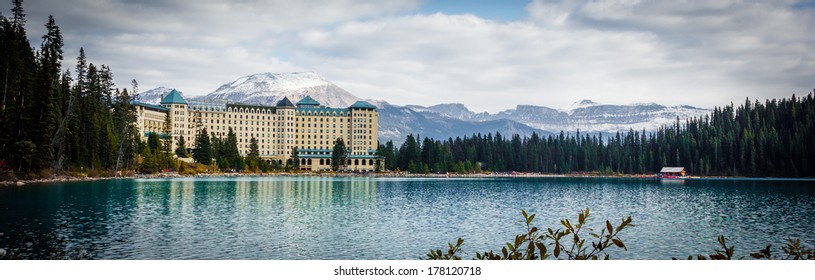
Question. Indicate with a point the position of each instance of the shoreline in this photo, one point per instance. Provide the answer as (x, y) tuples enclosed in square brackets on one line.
[(167, 175)]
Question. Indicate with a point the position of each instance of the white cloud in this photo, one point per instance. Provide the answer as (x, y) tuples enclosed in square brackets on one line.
[(702, 53), (194, 46)]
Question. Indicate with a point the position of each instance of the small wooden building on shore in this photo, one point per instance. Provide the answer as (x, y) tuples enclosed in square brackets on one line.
[(672, 172)]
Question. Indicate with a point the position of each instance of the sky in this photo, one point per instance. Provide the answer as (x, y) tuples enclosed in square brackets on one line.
[(487, 55)]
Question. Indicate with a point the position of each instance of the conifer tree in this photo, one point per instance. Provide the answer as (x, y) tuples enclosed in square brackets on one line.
[(295, 158), (338, 155), (231, 151), (181, 150), (203, 148), (253, 158)]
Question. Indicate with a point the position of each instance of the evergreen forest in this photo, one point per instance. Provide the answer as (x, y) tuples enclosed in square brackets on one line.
[(75, 120), (770, 139)]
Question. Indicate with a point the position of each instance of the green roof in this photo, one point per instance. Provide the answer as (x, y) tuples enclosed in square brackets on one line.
[(174, 97), (308, 101), (284, 103), (150, 106), (363, 105)]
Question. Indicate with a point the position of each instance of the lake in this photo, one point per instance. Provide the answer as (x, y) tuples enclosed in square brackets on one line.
[(401, 218)]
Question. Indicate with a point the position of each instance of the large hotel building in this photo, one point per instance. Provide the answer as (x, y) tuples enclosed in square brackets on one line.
[(311, 128)]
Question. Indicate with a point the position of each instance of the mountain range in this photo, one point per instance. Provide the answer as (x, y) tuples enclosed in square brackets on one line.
[(154, 96), (585, 116), (268, 88), (445, 120)]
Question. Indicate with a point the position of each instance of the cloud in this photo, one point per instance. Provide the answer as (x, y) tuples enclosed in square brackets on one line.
[(756, 48), (487, 65), (703, 53), (195, 46)]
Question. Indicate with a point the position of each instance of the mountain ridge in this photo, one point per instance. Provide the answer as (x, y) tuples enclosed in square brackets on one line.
[(268, 88), (447, 120)]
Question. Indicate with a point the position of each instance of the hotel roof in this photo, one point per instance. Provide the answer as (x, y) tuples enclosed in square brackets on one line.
[(285, 103), (150, 106), (362, 104), (308, 101), (173, 98)]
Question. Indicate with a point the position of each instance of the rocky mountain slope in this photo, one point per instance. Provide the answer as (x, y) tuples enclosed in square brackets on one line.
[(154, 96), (446, 120), (268, 88), (584, 115)]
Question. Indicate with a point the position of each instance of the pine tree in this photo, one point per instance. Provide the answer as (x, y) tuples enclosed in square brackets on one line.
[(166, 135), (253, 158), (295, 158), (181, 150), (203, 148), (231, 153), (338, 155), (43, 112)]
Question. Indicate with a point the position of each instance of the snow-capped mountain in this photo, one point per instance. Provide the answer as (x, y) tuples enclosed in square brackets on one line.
[(584, 115), (154, 96), (578, 105), (451, 110), (446, 120), (397, 122), (268, 88)]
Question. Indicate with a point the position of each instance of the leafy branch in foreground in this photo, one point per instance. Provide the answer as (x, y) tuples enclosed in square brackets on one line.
[(794, 250), (568, 242)]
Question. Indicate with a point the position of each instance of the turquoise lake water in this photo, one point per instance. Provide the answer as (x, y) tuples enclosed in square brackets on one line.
[(401, 218)]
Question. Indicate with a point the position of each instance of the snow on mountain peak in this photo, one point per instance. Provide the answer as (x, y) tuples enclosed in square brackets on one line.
[(577, 105), (155, 95), (585, 102), (268, 81), (268, 88)]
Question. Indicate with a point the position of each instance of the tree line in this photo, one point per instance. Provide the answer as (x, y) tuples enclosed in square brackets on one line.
[(770, 139), (52, 120)]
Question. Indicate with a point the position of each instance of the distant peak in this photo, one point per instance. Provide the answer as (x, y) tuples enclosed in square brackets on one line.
[(449, 105), (584, 102), (285, 76)]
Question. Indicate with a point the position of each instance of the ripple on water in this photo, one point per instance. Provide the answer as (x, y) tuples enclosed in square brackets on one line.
[(397, 218)]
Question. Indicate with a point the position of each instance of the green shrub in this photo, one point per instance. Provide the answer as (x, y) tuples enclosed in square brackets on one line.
[(793, 250), (568, 242)]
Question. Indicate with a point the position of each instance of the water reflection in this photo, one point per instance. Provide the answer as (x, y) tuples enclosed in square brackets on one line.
[(183, 194), (249, 217), (371, 218)]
